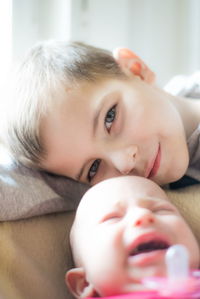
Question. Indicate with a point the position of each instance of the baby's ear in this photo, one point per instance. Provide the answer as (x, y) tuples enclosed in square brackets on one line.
[(77, 284), (132, 64)]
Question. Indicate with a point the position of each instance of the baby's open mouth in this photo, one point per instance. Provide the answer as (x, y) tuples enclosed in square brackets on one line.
[(149, 246)]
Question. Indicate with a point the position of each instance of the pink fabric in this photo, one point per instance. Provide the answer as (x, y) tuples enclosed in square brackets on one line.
[(136, 295)]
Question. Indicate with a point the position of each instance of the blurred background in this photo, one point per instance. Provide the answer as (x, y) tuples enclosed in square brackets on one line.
[(165, 33)]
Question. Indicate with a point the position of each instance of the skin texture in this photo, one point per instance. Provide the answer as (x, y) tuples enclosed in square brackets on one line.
[(144, 122), (119, 127), (113, 218)]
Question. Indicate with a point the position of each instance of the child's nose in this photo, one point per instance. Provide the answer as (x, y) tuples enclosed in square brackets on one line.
[(124, 160)]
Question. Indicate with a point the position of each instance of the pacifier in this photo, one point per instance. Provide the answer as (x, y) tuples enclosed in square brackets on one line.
[(180, 281)]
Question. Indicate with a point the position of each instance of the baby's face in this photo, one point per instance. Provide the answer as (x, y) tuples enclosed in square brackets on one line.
[(112, 128), (123, 229)]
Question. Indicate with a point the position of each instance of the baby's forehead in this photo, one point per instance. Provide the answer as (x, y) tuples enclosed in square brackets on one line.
[(126, 189)]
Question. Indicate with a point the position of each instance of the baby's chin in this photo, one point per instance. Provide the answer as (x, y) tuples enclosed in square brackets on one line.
[(136, 287), (136, 281)]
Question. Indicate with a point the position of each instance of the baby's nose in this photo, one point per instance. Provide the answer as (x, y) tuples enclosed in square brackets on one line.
[(138, 221), (143, 217), (144, 220)]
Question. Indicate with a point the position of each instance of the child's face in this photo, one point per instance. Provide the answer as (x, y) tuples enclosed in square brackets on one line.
[(113, 128), (124, 227)]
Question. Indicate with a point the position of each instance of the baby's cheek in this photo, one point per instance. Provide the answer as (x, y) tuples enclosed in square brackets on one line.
[(113, 282), (110, 267)]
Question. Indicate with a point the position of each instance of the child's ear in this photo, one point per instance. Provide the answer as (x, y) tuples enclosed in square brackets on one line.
[(132, 64), (77, 284)]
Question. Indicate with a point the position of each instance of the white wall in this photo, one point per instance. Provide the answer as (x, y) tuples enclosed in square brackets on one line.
[(6, 40), (35, 20), (101, 22), (193, 34), (165, 33)]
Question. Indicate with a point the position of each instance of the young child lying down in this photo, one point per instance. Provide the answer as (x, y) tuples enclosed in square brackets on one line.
[(124, 123), (121, 232)]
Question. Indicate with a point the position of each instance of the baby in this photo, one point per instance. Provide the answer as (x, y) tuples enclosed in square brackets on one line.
[(122, 229)]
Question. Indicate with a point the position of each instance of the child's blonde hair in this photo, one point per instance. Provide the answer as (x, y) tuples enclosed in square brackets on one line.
[(49, 68)]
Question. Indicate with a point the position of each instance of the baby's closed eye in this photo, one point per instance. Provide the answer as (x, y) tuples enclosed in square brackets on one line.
[(164, 208), (112, 217)]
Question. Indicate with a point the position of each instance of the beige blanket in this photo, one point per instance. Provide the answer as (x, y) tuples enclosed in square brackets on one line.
[(35, 254)]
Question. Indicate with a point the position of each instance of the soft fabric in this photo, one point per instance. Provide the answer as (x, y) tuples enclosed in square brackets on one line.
[(136, 295), (34, 256), (185, 86), (35, 252), (187, 201), (189, 86), (194, 151), (25, 193)]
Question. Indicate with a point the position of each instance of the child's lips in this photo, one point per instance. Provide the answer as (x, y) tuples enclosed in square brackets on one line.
[(153, 169)]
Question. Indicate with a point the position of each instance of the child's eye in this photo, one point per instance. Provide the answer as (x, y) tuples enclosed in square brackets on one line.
[(110, 117), (93, 169)]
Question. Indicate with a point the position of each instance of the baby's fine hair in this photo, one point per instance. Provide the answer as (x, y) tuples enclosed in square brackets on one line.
[(41, 80)]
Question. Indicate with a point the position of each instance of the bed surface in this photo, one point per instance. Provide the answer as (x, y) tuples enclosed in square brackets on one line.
[(35, 254)]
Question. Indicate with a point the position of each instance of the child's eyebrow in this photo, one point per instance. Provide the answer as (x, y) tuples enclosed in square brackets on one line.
[(96, 119)]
